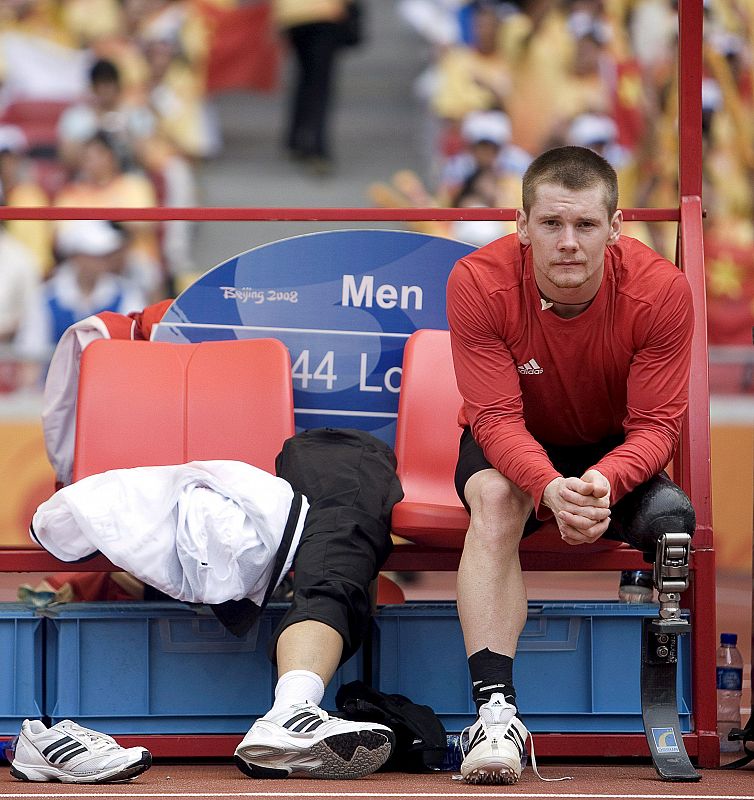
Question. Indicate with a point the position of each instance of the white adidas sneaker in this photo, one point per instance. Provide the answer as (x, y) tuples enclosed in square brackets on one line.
[(69, 753), (306, 740), (496, 746)]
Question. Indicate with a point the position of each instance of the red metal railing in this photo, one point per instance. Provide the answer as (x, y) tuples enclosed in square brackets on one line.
[(262, 214)]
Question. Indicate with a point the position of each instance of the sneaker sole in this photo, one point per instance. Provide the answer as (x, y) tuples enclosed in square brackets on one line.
[(33, 774), (342, 756), (491, 771), (491, 776)]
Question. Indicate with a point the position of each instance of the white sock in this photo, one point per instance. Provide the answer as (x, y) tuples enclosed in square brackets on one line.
[(296, 686)]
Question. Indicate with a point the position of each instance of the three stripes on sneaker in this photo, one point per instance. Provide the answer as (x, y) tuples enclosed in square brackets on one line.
[(305, 722), (511, 734), (63, 750)]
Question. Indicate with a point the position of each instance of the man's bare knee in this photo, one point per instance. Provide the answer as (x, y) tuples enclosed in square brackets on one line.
[(499, 508), (487, 491)]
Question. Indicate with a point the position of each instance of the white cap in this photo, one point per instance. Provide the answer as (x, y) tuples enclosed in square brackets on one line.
[(91, 237), (712, 95), (727, 43), (582, 23), (165, 27), (486, 126), (12, 139), (589, 129)]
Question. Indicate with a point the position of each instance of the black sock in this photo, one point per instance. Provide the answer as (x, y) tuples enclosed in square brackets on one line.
[(491, 673)]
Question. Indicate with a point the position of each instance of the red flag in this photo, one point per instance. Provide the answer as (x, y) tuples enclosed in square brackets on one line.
[(628, 110), (729, 270), (244, 49)]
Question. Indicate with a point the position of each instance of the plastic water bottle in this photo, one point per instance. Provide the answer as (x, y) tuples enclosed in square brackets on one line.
[(453, 754), (8, 749), (636, 586), (729, 682)]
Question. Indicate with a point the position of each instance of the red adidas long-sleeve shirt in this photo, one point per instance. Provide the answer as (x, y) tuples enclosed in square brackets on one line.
[(529, 376)]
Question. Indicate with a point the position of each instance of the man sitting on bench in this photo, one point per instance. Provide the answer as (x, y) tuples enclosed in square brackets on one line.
[(571, 348)]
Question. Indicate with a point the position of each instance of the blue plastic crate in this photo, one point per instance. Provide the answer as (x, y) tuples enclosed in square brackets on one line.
[(162, 668), (577, 667), (21, 635)]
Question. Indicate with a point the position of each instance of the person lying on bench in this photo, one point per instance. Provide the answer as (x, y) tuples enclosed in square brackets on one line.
[(225, 533)]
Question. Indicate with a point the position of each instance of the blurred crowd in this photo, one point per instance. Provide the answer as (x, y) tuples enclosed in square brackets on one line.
[(113, 97), (102, 103), (507, 80)]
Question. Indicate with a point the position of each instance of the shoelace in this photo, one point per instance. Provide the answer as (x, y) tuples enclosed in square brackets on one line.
[(534, 765), (465, 738), (95, 741), (309, 706)]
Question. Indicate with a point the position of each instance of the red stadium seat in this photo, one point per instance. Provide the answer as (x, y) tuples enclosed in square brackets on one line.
[(426, 445), (155, 403), (151, 403), (38, 119)]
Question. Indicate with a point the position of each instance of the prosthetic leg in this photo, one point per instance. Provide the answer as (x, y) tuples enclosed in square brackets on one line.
[(659, 661)]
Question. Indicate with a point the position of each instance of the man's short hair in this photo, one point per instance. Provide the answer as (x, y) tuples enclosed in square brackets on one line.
[(574, 168), (103, 71)]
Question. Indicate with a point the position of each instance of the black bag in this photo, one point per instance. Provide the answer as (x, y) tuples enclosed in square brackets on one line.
[(420, 737), (351, 28)]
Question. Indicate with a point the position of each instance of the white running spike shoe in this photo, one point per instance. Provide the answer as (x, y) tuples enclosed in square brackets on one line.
[(69, 753), (306, 740), (495, 750)]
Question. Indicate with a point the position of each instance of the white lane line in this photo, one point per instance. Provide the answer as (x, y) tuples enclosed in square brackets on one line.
[(617, 796), (271, 328), (339, 412)]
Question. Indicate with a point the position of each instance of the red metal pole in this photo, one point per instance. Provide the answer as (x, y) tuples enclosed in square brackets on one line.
[(695, 472), (690, 31), (703, 645), (224, 214), (695, 477)]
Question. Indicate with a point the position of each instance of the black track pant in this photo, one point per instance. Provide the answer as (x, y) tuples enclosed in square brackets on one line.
[(349, 479), (316, 46), (640, 518)]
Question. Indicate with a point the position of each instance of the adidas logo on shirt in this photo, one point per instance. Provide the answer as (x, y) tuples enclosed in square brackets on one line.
[(530, 368)]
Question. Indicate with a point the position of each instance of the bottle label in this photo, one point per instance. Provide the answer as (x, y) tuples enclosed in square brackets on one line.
[(730, 678)]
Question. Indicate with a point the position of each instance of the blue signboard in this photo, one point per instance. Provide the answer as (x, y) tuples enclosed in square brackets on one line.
[(343, 302)]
